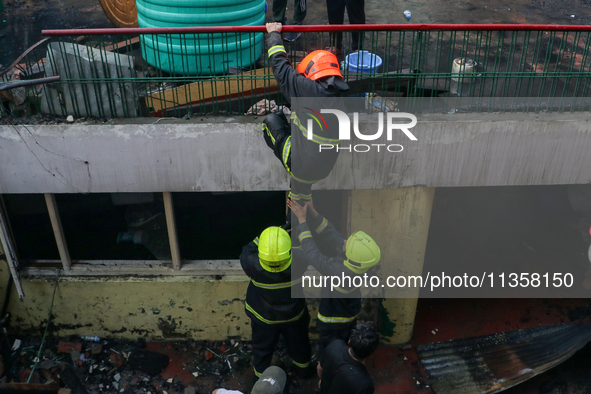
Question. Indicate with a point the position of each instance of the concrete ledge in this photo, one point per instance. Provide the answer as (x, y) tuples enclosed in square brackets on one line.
[(475, 150), (195, 271), (229, 155), (88, 158)]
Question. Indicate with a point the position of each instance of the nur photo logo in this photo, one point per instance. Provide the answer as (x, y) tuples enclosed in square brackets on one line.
[(390, 125)]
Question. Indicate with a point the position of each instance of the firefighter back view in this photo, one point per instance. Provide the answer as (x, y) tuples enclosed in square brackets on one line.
[(338, 309), (269, 303), (317, 76)]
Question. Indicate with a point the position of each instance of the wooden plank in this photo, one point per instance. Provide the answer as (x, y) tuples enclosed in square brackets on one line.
[(124, 46), (204, 91), (172, 235), (58, 231), (229, 88)]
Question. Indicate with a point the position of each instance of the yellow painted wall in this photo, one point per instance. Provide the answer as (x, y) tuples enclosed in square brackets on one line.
[(398, 220), (152, 308)]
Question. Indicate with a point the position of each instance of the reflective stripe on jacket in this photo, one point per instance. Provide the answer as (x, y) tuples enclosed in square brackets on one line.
[(269, 295), (321, 246), (308, 164)]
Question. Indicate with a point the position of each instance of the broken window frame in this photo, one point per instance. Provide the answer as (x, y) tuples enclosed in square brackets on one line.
[(214, 269), (41, 267), (7, 240), (58, 231)]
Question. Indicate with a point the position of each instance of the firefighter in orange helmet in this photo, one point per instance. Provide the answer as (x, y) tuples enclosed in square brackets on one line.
[(317, 76)]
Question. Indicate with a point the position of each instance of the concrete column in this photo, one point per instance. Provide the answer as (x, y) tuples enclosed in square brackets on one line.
[(398, 219)]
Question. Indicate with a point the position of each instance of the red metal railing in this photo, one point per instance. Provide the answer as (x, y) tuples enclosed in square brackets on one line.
[(319, 28)]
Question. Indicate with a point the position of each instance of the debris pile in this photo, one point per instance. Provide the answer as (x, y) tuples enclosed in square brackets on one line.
[(120, 366), (15, 98), (95, 365)]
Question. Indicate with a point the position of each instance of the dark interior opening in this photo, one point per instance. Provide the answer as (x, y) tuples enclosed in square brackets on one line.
[(95, 226), (132, 226), (31, 227), (216, 225)]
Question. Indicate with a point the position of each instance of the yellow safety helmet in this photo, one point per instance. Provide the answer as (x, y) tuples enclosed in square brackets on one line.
[(362, 252), (275, 249)]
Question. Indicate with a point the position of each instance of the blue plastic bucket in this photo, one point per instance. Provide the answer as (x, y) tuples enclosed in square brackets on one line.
[(363, 61)]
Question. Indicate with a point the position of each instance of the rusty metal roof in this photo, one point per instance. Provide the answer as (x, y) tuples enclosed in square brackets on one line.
[(493, 363)]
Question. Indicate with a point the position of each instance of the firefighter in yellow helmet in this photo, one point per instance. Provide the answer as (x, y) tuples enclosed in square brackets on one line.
[(318, 75), (338, 310), (267, 261)]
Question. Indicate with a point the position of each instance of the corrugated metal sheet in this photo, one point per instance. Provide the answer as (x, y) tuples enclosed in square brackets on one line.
[(493, 363)]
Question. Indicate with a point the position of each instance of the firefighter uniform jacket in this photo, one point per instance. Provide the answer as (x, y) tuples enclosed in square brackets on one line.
[(269, 298), (320, 240), (308, 164)]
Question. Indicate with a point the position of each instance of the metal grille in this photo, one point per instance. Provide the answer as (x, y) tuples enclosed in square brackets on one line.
[(107, 73)]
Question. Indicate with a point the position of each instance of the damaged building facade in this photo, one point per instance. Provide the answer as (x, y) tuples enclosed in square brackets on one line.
[(139, 206), (197, 188)]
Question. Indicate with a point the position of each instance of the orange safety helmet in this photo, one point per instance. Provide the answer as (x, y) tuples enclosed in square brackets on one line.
[(319, 64)]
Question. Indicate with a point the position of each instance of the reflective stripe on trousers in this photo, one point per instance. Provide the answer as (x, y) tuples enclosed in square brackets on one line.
[(333, 319)]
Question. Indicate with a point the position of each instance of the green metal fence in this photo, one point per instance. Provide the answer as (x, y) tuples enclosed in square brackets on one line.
[(519, 68)]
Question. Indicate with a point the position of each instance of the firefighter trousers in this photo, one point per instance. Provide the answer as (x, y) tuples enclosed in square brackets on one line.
[(265, 338), (329, 334), (276, 132)]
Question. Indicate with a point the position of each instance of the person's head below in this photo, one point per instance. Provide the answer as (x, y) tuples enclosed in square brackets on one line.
[(320, 65), (272, 381), (362, 252), (363, 340)]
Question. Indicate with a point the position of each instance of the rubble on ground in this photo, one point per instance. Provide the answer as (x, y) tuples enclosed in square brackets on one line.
[(125, 366)]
